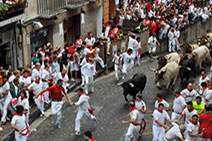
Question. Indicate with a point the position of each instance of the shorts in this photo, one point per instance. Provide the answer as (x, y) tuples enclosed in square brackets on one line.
[(151, 49)]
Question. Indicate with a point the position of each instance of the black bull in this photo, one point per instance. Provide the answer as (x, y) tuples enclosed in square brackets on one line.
[(134, 85)]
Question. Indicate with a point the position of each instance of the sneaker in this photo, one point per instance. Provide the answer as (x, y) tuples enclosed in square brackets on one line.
[(2, 122), (93, 117), (42, 114), (58, 125), (77, 133), (48, 101)]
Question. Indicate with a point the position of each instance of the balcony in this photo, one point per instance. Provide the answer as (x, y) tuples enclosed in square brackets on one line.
[(50, 8), (72, 4), (12, 8)]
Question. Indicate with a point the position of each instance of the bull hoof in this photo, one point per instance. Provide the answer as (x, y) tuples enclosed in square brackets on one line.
[(159, 88)]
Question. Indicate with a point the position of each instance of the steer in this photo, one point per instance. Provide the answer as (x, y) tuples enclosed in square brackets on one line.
[(200, 54), (166, 75), (187, 66), (134, 85), (163, 60)]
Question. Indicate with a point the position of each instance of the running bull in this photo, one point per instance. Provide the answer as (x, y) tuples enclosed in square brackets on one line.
[(166, 75), (134, 85)]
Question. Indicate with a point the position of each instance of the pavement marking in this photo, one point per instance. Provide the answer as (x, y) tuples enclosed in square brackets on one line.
[(38, 121)]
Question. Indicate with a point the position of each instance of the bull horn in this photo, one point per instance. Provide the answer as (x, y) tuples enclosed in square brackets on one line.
[(132, 85), (151, 69), (188, 68), (119, 84)]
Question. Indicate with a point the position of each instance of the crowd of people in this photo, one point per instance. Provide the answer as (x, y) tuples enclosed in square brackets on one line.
[(52, 70), (190, 117)]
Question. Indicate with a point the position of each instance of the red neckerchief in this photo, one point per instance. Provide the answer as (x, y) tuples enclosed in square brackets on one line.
[(37, 82), (25, 76), (160, 100), (89, 38), (29, 75), (43, 51), (92, 139), (193, 122), (191, 109), (82, 94), (189, 90), (128, 53), (159, 110), (36, 68), (22, 98), (16, 114), (132, 109), (179, 95), (63, 75), (205, 88), (204, 77), (46, 69), (16, 85)]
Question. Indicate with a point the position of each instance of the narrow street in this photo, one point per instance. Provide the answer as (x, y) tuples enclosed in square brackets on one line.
[(110, 109)]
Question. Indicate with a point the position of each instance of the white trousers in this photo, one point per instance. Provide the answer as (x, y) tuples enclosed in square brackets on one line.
[(56, 107), (132, 133), (158, 133), (5, 108), (45, 86), (88, 81), (80, 115), (117, 68), (127, 69), (175, 116), (177, 43), (99, 60), (83, 79), (171, 45), (39, 103), (19, 137)]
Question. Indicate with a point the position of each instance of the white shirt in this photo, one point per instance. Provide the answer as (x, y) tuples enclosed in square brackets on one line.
[(153, 41), (87, 51), (46, 76), (35, 73), (160, 116), (127, 59), (117, 59), (65, 78), (178, 103), (140, 105), (203, 80), (177, 34), (165, 103), (83, 102), (36, 88), (25, 81), (170, 35), (187, 116), (6, 87), (174, 132), (189, 95), (90, 41), (209, 97), (131, 43), (134, 114), (194, 130), (89, 69), (12, 77), (19, 122)]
